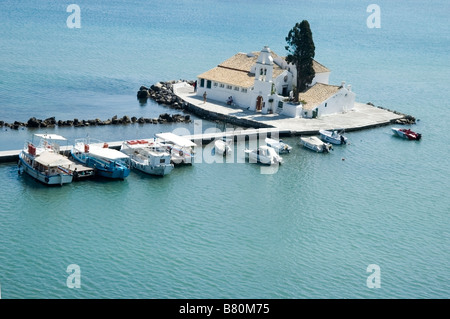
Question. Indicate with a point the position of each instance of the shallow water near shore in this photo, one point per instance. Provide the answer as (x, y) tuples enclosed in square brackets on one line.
[(225, 230)]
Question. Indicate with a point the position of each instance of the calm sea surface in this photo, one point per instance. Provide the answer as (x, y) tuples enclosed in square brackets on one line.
[(224, 230)]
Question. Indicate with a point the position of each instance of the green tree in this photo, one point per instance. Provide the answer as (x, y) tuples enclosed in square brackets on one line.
[(301, 51)]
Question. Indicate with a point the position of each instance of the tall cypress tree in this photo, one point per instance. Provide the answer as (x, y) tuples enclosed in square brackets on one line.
[(301, 53)]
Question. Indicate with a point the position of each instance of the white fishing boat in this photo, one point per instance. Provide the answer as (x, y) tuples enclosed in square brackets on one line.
[(106, 162), (42, 160), (264, 155), (333, 137), (180, 148), (315, 144), (223, 146), (148, 156), (278, 145)]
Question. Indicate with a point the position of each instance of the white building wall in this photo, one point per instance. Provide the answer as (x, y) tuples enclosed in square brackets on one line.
[(292, 110), (280, 83), (221, 94), (321, 78), (343, 101)]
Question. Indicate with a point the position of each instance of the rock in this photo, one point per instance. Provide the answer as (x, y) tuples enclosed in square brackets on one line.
[(50, 121), (126, 119), (142, 94), (17, 123), (134, 119), (141, 120), (165, 117), (33, 122), (114, 120), (156, 87)]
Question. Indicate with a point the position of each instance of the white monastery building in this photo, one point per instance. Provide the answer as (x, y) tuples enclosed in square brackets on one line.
[(263, 81)]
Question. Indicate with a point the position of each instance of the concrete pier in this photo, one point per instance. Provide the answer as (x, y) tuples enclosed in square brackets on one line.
[(363, 116)]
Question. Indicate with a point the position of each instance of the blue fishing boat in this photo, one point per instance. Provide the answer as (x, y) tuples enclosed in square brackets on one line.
[(105, 161)]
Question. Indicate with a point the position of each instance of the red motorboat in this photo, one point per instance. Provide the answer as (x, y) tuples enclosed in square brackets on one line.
[(407, 133)]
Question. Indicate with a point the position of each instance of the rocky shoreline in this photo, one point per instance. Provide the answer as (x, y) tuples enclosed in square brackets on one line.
[(115, 120), (162, 93)]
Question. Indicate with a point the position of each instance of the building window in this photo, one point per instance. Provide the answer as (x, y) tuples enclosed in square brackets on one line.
[(208, 84), (261, 71), (236, 88), (244, 90), (280, 104), (215, 84), (221, 85), (229, 87), (202, 83), (326, 104)]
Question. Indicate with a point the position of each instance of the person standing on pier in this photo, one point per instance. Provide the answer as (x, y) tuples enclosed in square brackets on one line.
[(204, 97)]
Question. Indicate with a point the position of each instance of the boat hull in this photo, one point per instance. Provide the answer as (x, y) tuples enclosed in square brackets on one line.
[(268, 158), (48, 179), (407, 134), (278, 146), (328, 137), (315, 144), (113, 171), (159, 170)]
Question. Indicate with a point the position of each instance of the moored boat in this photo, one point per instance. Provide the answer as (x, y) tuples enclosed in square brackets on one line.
[(223, 146), (315, 144), (43, 161), (278, 145), (106, 162), (180, 148), (333, 137), (406, 133), (264, 155), (148, 156)]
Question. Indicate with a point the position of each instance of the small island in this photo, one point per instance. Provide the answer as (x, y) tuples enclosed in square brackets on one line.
[(262, 89)]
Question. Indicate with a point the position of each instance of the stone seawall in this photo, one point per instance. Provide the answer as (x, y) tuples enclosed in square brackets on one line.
[(214, 116), (115, 120)]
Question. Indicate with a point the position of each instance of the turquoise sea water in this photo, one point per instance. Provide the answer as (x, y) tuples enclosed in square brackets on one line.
[(225, 230)]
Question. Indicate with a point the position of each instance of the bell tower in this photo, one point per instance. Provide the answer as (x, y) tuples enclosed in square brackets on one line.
[(263, 79)]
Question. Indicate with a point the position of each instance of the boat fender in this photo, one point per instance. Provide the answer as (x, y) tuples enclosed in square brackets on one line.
[(46, 179), (105, 145), (86, 148)]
